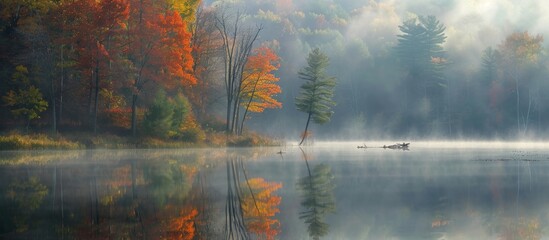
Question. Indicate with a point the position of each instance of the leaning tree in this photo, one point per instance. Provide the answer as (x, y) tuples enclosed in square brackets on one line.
[(317, 91)]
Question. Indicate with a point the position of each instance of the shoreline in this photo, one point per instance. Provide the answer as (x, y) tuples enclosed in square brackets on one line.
[(84, 141)]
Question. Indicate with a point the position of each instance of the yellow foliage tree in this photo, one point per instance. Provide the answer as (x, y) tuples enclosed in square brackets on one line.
[(259, 85)]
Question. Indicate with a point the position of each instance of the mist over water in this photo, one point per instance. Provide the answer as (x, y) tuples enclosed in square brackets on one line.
[(469, 190)]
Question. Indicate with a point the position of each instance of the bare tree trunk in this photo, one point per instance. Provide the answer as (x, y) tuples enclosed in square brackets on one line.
[(237, 46), (96, 104), (228, 123), (527, 120), (90, 93), (244, 118), (518, 101), (236, 114), (53, 108), (134, 115), (61, 86), (248, 106)]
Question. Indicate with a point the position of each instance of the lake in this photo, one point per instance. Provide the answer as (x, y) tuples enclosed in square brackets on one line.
[(471, 190)]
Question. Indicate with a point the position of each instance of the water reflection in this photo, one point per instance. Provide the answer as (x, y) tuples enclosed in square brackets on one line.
[(251, 204), (258, 194), (317, 198)]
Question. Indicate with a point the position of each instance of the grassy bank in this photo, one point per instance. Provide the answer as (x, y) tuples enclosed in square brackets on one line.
[(17, 141)]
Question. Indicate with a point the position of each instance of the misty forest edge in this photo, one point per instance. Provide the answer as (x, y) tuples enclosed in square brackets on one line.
[(198, 72)]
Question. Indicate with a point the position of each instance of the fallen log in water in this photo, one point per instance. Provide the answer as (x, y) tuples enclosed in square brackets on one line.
[(403, 146)]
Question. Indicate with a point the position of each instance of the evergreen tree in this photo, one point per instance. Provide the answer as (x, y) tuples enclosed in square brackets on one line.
[(181, 109), (421, 55), (317, 92), (420, 51), (158, 120), (490, 58)]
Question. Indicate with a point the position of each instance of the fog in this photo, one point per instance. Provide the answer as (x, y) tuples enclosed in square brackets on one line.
[(360, 38)]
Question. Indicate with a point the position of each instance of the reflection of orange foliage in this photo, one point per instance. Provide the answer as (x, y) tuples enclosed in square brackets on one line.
[(183, 227), (524, 229), (190, 171), (260, 214)]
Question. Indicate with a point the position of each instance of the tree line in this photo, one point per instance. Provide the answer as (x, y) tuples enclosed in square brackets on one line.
[(133, 66)]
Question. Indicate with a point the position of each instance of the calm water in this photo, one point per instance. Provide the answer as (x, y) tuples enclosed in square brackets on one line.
[(329, 191)]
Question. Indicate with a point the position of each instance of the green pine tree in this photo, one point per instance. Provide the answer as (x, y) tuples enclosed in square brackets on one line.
[(317, 92), (158, 120)]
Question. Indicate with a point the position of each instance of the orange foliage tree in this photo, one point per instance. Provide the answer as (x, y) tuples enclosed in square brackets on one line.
[(260, 206), (520, 50), (93, 28), (259, 85), (159, 48)]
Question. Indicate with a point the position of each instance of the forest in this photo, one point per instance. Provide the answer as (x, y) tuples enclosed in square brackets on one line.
[(186, 69)]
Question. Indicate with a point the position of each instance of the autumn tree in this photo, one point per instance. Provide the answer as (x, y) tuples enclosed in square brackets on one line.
[(259, 83), (27, 102), (315, 98), (25, 39), (159, 49), (520, 51), (96, 37), (237, 47), (186, 8), (17, 19)]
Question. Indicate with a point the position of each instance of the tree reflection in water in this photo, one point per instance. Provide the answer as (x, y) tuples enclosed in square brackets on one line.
[(235, 227), (318, 198), (182, 195), (250, 204), (27, 196)]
